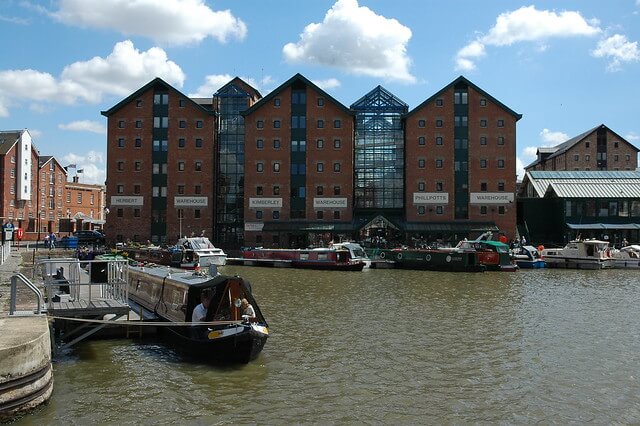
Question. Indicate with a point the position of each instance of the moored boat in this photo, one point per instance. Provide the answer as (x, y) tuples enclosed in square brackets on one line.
[(356, 251), (332, 258), (494, 255), (627, 257), (188, 253), (527, 257), (448, 260), (172, 296), (580, 254)]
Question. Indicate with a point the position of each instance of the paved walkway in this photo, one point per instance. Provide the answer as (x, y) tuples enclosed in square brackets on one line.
[(9, 268)]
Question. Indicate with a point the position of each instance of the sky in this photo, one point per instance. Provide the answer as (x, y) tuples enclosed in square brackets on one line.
[(566, 66)]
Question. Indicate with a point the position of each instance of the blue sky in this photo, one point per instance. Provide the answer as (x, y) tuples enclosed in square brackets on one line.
[(567, 66)]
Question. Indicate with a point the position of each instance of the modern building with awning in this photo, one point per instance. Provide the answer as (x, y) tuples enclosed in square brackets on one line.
[(556, 206)]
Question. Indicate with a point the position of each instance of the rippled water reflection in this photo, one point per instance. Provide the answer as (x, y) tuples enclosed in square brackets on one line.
[(387, 346)]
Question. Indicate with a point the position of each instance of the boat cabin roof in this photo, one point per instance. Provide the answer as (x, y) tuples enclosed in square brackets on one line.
[(190, 278)]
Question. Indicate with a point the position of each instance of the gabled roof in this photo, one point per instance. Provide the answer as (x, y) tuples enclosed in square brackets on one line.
[(382, 98), (155, 82), (585, 184), (296, 78), (462, 79), (565, 146), (44, 159), (8, 139), (238, 82)]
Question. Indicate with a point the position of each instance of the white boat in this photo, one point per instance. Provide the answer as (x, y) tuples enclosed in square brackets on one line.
[(627, 257), (200, 250), (527, 257), (355, 251), (580, 254)]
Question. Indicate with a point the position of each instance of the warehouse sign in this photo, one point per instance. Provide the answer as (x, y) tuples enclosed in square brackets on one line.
[(491, 197), (265, 203), (430, 198), (330, 203), (253, 226), (195, 202), (124, 200)]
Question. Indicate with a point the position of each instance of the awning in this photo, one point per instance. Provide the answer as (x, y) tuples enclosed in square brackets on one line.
[(603, 225), (451, 227), (297, 226)]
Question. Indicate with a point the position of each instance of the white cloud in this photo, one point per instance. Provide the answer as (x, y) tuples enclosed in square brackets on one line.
[(530, 152), (553, 138), (519, 169), (357, 40), (35, 133), (526, 24), (618, 49), (632, 136), (215, 81), (174, 22), (328, 84), (124, 70), (84, 126), (91, 164)]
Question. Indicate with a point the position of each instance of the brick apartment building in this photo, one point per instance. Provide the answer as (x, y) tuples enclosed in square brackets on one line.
[(32, 189), (599, 148), (297, 167)]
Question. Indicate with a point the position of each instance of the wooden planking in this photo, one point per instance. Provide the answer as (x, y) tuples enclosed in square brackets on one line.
[(82, 308)]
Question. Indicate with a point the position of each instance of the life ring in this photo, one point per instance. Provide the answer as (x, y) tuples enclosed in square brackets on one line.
[(399, 257), (382, 255)]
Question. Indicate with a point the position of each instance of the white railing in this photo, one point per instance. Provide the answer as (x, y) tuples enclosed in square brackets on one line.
[(5, 251)]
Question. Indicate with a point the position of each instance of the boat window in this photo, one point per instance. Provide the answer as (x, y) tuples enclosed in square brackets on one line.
[(322, 256)]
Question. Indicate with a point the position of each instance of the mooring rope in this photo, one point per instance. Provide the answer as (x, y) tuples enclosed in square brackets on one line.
[(147, 323)]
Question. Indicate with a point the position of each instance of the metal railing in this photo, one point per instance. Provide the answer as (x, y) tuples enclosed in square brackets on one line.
[(35, 290), (5, 252)]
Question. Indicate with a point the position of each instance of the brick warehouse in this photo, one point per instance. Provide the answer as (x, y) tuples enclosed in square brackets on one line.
[(307, 168)]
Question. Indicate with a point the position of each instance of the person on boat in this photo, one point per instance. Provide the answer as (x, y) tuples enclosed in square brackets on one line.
[(247, 309), (200, 312)]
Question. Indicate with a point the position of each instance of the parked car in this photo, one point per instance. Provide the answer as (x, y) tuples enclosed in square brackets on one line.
[(90, 237)]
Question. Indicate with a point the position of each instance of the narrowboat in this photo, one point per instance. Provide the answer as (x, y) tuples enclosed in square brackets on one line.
[(172, 295), (448, 260), (356, 251), (580, 254), (332, 258)]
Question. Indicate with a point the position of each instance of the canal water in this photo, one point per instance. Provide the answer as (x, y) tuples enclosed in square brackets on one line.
[(386, 346)]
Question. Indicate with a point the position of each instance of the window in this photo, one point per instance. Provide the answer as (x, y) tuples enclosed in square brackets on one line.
[(319, 214), (615, 157), (501, 210), (627, 157), (320, 101), (260, 124), (259, 190), (276, 102), (182, 103), (483, 209), (275, 214), (121, 143), (119, 212), (483, 102), (137, 166), (460, 98), (336, 190), (138, 103), (319, 143), (500, 123), (587, 157), (586, 144), (259, 167), (439, 186), (615, 144), (276, 144), (276, 167), (120, 165), (483, 123), (138, 124), (276, 124), (198, 124), (119, 189), (336, 167), (421, 163), (439, 102), (483, 140), (138, 143), (421, 123), (336, 143), (320, 124), (576, 157), (276, 190), (198, 143), (439, 210), (259, 144), (121, 124), (180, 189), (460, 121), (197, 189), (421, 186), (136, 189), (337, 124), (500, 140), (421, 209), (439, 140), (196, 214), (439, 123), (320, 167), (181, 143), (483, 186), (501, 163), (258, 214), (336, 214), (439, 163), (501, 186), (198, 166), (483, 163), (181, 166), (421, 140), (319, 190)]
